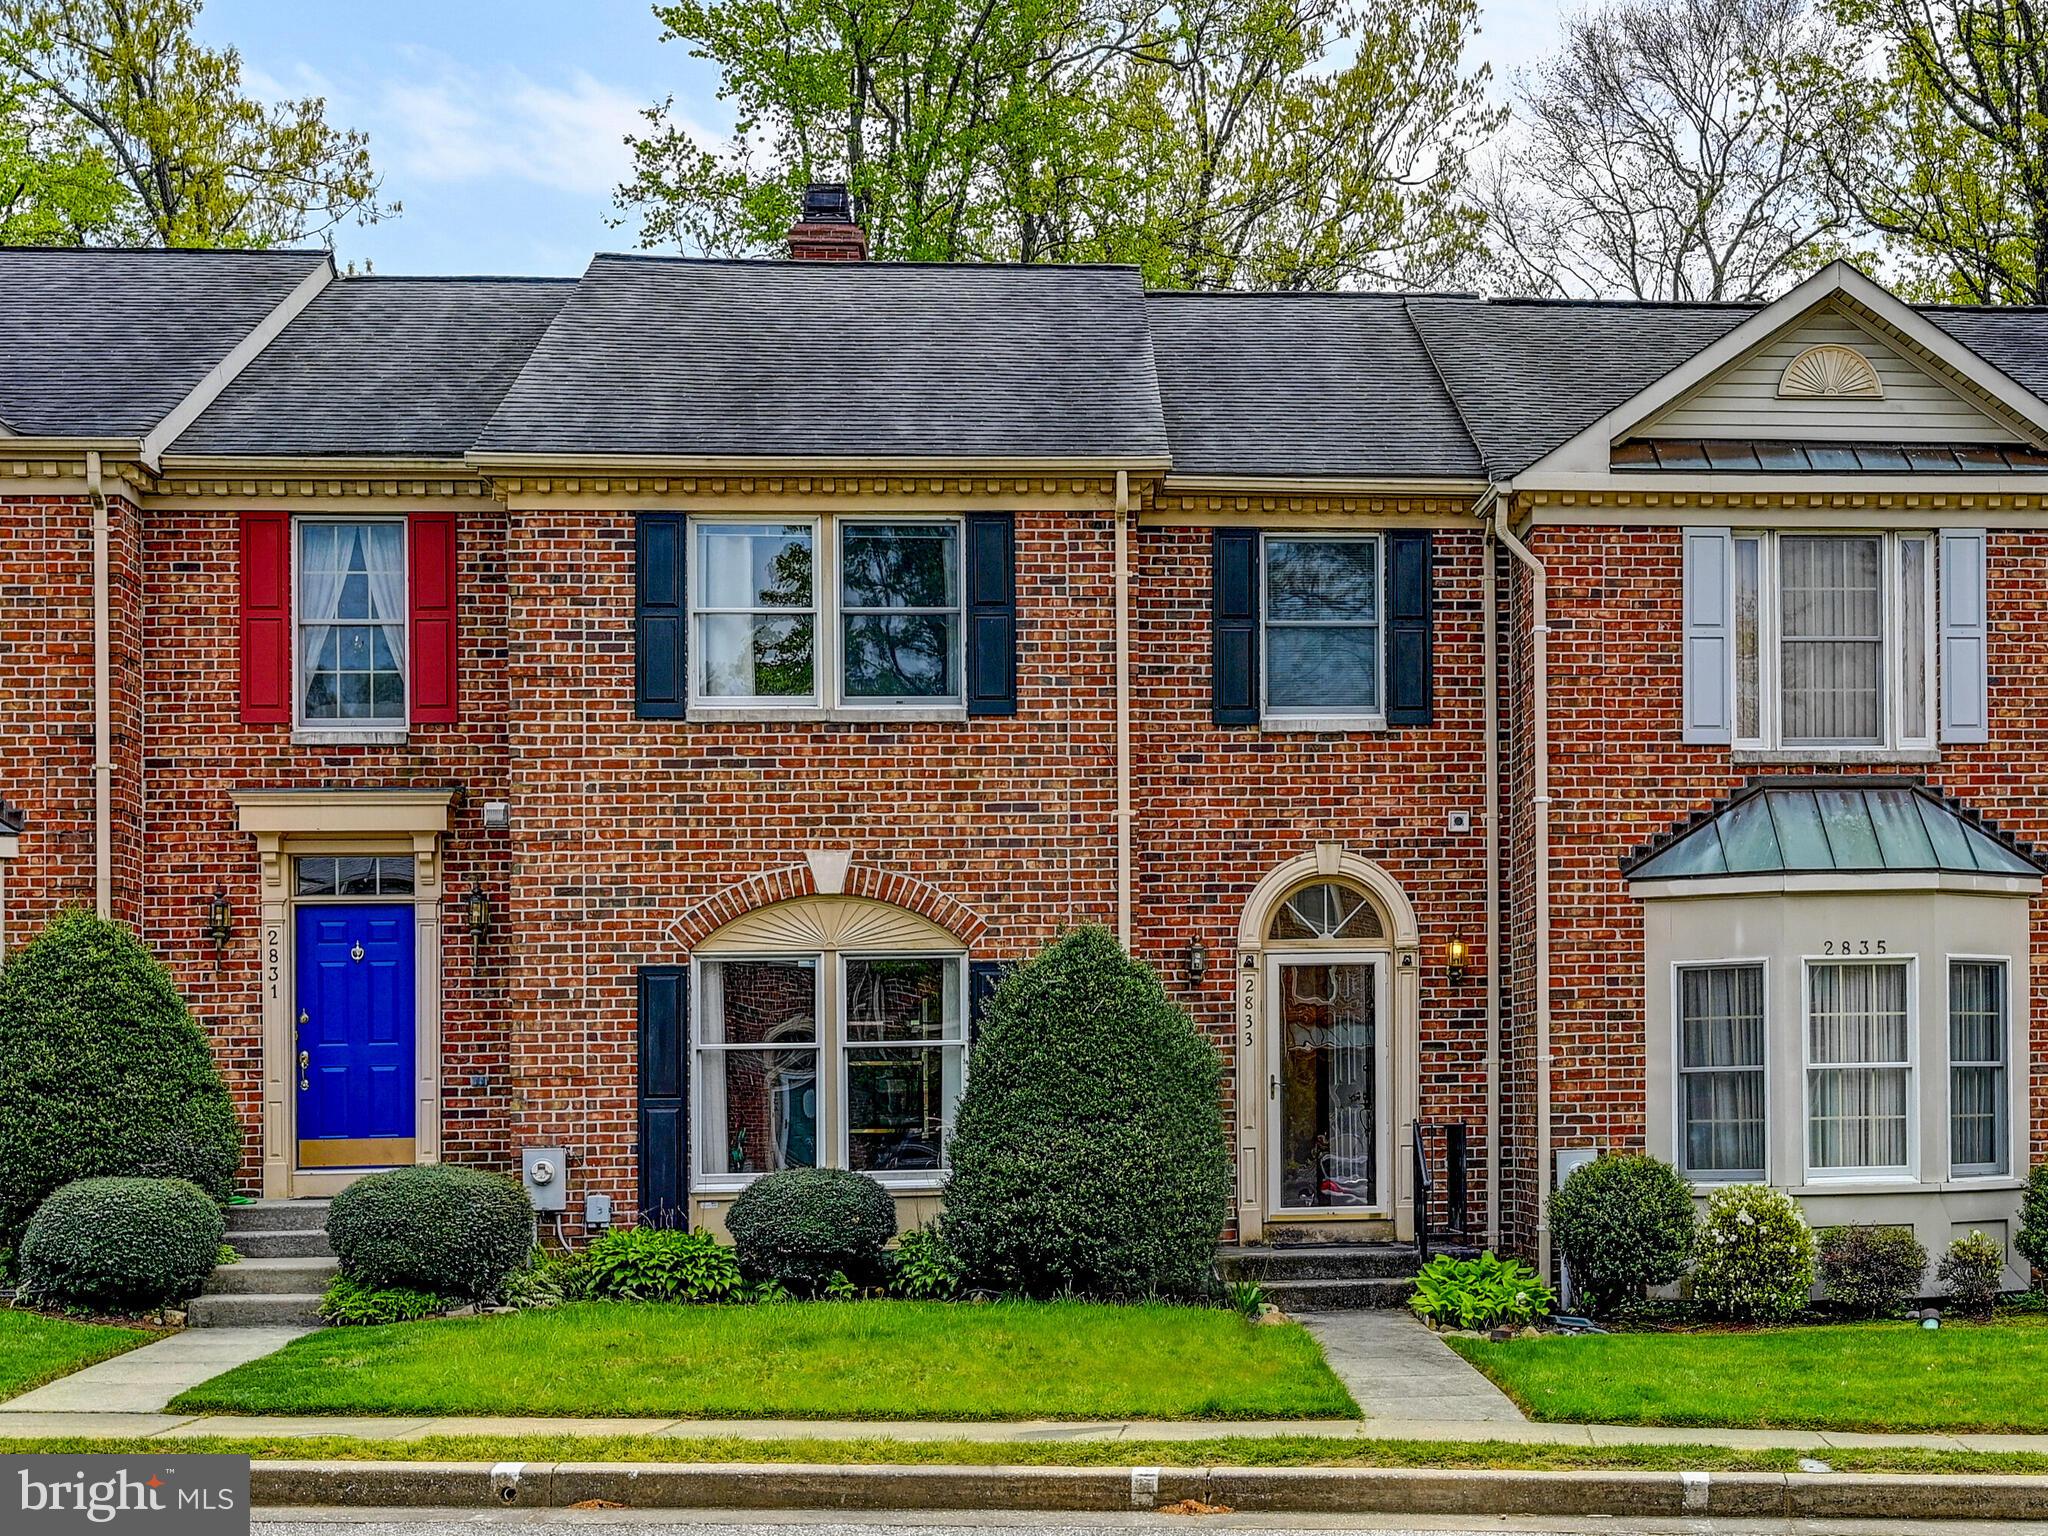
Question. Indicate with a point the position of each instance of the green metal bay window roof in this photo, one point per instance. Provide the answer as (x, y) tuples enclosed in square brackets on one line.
[(1817, 825)]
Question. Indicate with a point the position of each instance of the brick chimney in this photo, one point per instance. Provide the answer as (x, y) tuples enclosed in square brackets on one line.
[(825, 230)]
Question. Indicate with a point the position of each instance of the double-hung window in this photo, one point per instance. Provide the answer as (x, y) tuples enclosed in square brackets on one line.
[(1859, 1031), (826, 613), (1976, 1066), (1721, 1072), (350, 617), (1322, 627), (1833, 640)]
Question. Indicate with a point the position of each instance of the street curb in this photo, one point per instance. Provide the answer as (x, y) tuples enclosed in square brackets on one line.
[(1276, 1490)]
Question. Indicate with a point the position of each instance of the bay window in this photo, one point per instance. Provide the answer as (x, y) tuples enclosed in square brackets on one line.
[(1322, 630), (1976, 1065), (1859, 1067), (1721, 1072)]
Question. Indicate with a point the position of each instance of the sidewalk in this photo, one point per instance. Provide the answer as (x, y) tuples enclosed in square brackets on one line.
[(1395, 1368)]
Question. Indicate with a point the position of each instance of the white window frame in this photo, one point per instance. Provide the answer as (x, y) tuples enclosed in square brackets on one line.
[(1897, 732), (1712, 1178), (2003, 1171), (830, 1041), (1909, 1171), (828, 699), (1302, 718), (376, 730)]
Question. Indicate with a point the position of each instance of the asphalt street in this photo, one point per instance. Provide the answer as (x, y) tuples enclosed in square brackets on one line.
[(610, 1522)]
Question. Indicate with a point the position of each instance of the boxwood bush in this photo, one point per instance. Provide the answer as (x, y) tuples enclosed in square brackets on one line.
[(1755, 1256), (1871, 1271), (103, 1072), (1089, 1153), (1973, 1269), (2033, 1239), (802, 1226), (455, 1232), (1622, 1223), (121, 1245)]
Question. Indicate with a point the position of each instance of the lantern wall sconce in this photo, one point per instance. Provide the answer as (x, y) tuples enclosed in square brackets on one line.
[(1197, 962), (220, 920), (1454, 960), (476, 910)]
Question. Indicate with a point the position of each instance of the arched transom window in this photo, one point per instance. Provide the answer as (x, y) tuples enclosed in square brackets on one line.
[(1325, 911)]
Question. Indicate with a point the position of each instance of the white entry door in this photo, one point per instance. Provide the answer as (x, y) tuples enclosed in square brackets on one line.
[(1328, 1089)]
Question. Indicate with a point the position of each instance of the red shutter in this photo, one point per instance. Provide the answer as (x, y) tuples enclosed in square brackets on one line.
[(266, 618), (433, 618)]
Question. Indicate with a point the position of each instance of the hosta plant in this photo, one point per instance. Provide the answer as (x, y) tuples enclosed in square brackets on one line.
[(657, 1264), (1486, 1292)]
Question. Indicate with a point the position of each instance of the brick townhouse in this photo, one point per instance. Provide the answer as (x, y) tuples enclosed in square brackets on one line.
[(641, 714)]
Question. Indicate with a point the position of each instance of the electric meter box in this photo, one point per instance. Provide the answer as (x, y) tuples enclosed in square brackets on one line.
[(545, 1172)]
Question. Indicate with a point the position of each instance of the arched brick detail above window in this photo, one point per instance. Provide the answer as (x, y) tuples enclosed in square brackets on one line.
[(794, 881)]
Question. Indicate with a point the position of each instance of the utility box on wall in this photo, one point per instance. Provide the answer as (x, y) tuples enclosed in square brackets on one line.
[(545, 1172)]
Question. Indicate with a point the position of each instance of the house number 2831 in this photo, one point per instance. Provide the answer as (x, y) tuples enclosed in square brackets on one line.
[(1853, 947)]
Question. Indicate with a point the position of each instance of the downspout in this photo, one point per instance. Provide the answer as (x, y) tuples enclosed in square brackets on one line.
[(1539, 802), (1490, 727), (102, 702), (1123, 709)]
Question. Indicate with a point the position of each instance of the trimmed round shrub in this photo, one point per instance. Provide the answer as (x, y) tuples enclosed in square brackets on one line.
[(1973, 1269), (802, 1226), (1089, 1153), (103, 1072), (1871, 1271), (121, 1245), (2032, 1241), (456, 1232), (1623, 1223), (1755, 1256)]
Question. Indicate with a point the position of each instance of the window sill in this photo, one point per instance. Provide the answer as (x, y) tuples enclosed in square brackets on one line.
[(726, 1189), (306, 738), (1320, 724), (747, 714), (1795, 757)]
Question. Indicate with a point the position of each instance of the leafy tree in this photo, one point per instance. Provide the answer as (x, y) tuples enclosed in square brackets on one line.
[(201, 162), (1946, 154), (1672, 149), (56, 188), (1268, 143)]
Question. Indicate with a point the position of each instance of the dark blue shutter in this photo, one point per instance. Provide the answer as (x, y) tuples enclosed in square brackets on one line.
[(991, 613), (660, 617), (983, 977), (1409, 601), (665, 1095), (1234, 625)]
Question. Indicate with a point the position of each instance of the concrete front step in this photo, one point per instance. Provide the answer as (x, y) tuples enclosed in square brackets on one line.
[(1339, 1295), (285, 1276), (279, 1216), (279, 1245), (289, 1309), (1334, 1261)]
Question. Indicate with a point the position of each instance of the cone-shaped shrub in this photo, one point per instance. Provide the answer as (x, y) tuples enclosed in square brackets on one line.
[(1088, 1154), (103, 1072)]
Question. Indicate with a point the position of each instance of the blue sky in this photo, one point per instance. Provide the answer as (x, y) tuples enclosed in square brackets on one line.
[(499, 124)]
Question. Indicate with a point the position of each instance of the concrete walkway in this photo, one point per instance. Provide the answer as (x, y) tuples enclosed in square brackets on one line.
[(1398, 1369), (143, 1381)]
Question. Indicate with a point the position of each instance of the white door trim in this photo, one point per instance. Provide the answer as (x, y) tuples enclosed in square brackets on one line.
[(1383, 1081)]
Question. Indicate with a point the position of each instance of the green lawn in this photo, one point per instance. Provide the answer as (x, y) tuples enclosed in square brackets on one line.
[(36, 1349), (819, 1360), (1869, 1376)]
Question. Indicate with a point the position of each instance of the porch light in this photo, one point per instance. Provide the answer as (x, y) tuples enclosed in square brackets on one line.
[(1197, 962), (1454, 960), (220, 920), (476, 910)]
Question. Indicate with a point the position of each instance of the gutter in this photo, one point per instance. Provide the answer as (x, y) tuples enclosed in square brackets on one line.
[(102, 702), (1123, 709), (1490, 728), (588, 465), (1539, 801)]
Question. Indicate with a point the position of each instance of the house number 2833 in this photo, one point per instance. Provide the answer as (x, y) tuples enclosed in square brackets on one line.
[(1853, 947)]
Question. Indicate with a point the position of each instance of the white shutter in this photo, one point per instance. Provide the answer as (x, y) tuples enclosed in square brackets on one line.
[(1709, 635), (1965, 637)]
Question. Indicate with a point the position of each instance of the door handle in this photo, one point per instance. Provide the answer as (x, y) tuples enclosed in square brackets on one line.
[(305, 1061), (1273, 1087)]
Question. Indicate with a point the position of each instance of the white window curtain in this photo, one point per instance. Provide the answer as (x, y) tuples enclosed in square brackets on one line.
[(1976, 1049), (1858, 1078), (352, 621), (321, 574), (1831, 618), (1721, 1071)]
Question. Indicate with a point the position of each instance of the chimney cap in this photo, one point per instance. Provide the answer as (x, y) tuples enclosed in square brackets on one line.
[(827, 202)]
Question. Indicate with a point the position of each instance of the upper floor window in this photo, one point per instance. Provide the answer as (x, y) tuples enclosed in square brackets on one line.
[(1322, 643), (1833, 640), (810, 612), (350, 615)]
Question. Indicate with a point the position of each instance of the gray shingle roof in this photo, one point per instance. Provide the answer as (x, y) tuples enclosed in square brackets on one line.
[(106, 343), (663, 356), (382, 366), (1529, 375), (1302, 384), (2015, 341)]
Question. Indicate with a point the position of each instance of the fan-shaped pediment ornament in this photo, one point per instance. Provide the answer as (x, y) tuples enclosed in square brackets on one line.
[(827, 922), (1831, 371)]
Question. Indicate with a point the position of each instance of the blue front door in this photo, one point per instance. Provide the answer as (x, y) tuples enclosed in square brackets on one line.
[(354, 980)]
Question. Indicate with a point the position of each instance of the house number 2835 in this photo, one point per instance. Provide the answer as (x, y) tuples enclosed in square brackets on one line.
[(1853, 947)]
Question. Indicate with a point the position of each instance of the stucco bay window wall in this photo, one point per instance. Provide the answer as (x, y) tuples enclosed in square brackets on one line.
[(1836, 986)]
